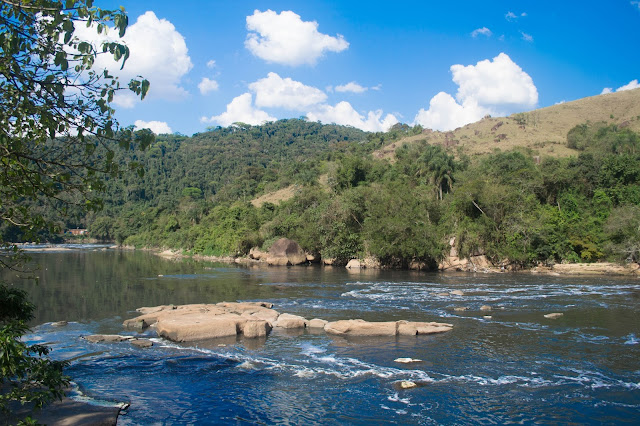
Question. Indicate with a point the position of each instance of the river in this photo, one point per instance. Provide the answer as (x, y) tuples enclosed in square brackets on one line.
[(509, 365)]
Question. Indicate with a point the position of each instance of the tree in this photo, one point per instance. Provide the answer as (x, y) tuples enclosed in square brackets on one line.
[(57, 139)]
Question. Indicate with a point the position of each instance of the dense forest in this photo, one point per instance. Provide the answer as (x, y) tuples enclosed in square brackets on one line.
[(513, 206)]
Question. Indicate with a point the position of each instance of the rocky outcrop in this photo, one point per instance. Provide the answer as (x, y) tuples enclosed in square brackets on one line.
[(358, 327), (286, 252), (255, 320), (201, 321)]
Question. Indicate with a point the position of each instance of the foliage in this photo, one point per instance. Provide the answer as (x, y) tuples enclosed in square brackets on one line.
[(57, 140), (27, 375)]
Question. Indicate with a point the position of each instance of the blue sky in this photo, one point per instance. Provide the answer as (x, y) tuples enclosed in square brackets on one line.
[(370, 64)]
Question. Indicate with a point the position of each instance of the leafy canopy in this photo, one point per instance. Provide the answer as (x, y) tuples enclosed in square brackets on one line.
[(55, 112)]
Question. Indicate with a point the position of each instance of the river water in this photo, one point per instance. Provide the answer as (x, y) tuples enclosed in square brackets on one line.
[(512, 367)]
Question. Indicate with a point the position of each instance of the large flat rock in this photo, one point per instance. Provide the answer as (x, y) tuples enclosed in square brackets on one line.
[(358, 327)]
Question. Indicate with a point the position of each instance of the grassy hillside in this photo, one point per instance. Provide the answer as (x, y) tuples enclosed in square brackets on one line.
[(543, 130)]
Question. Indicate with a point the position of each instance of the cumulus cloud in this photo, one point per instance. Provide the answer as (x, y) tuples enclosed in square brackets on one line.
[(157, 51), (633, 84), (157, 127), (211, 64), (494, 87), (278, 92), (207, 85), (242, 110), (344, 114), (284, 38), (481, 31), (445, 113), (352, 87)]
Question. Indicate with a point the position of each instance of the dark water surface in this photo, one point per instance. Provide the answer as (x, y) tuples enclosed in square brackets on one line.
[(515, 367)]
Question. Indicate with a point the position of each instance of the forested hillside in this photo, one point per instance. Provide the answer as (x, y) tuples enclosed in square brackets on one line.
[(516, 206)]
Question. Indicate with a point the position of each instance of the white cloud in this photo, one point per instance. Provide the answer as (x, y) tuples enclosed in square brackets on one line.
[(481, 31), (633, 84), (344, 114), (157, 127), (211, 64), (352, 87), (157, 52), (510, 16), (286, 39), (278, 92), (445, 113), (636, 3), (490, 87), (526, 37), (207, 85), (497, 82), (240, 110)]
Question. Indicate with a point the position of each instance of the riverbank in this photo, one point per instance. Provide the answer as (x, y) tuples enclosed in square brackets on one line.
[(596, 268)]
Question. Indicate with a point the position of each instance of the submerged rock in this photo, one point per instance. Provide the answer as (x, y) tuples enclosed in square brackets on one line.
[(554, 315), (95, 338), (142, 343)]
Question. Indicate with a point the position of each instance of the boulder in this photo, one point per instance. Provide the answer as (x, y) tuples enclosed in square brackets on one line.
[(290, 321), (359, 327), (485, 308), (60, 323), (317, 323), (286, 252), (408, 328), (554, 315), (354, 264), (256, 328), (256, 253), (190, 327)]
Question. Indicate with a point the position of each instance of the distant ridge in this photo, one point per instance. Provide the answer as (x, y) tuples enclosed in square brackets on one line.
[(543, 130)]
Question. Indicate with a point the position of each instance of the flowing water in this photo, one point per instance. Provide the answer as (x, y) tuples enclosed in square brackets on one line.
[(512, 367)]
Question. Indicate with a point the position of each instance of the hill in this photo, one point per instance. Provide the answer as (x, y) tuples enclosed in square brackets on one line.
[(543, 130)]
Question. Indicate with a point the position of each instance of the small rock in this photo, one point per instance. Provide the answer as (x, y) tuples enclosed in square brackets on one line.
[(142, 343), (460, 308), (406, 360), (442, 294), (487, 317), (457, 293), (554, 315), (95, 338), (59, 323), (485, 308), (408, 384)]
